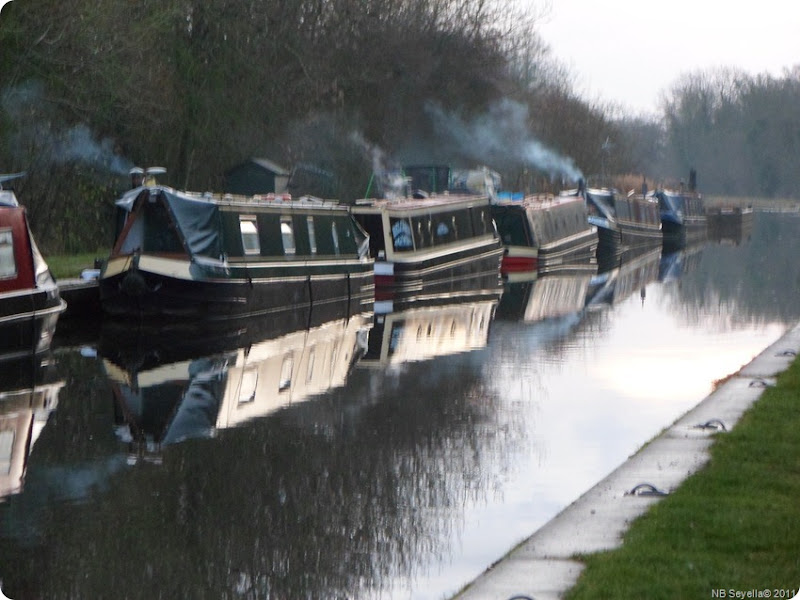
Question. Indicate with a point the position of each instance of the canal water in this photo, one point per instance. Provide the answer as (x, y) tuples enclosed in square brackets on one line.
[(389, 455)]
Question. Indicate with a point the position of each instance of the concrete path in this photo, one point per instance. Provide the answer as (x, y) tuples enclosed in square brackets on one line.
[(543, 567)]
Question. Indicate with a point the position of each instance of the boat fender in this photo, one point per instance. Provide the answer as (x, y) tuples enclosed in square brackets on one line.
[(134, 284)]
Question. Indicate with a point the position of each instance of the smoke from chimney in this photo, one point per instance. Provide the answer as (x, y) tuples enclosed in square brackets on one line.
[(501, 135), (46, 142)]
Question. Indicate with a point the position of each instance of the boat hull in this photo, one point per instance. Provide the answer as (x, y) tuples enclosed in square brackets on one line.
[(28, 321), (145, 290), (678, 234), (640, 235), (452, 272), (577, 253)]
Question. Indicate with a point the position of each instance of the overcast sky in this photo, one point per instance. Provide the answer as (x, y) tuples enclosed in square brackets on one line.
[(629, 51)]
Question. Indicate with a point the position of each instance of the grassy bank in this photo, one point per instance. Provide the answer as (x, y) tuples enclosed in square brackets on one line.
[(732, 527), (70, 266)]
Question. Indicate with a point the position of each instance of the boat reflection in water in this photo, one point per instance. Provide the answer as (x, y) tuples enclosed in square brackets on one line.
[(545, 297), (29, 389), (631, 275), (167, 389), (674, 265), (415, 329)]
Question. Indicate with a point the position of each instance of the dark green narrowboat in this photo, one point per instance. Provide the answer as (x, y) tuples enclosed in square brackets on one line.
[(184, 254)]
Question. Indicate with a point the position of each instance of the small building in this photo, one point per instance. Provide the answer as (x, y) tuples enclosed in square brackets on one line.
[(256, 176)]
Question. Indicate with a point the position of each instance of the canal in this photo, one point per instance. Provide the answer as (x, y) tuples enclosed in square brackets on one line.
[(335, 456)]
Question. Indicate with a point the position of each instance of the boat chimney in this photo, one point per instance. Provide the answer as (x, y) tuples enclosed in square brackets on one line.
[(150, 175), (137, 177), (581, 186)]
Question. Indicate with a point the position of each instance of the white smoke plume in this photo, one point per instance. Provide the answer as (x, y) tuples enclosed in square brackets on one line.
[(501, 134), (47, 142), (389, 179)]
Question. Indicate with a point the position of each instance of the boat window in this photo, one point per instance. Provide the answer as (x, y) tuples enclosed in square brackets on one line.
[(401, 234), (481, 221), (312, 235), (249, 231), (247, 390), (287, 236), (461, 224), (285, 381), (442, 230), (8, 266), (422, 232), (335, 238)]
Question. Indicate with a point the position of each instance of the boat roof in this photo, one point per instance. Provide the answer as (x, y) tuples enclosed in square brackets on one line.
[(543, 201), (431, 202), (259, 200)]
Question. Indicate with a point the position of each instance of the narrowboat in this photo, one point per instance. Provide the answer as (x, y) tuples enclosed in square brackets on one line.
[(624, 222), (442, 243), (184, 254), (30, 303), (729, 224), (169, 387), (683, 217), (545, 234)]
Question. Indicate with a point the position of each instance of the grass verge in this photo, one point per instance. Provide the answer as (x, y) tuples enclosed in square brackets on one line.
[(732, 527), (70, 266)]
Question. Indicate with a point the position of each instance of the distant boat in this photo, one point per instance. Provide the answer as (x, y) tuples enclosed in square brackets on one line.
[(183, 254), (545, 234), (683, 217), (443, 243), (729, 224), (30, 303), (624, 222)]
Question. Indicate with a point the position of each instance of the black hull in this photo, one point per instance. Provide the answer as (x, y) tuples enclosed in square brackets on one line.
[(677, 236), (609, 248), (640, 236), (28, 321), (576, 255), (82, 297), (476, 267), (144, 294)]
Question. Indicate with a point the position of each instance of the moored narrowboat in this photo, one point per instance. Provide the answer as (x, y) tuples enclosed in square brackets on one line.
[(184, 254), (30, 303), (624, 222), (729, 224), (444, 244), (683, 217), (545, 234)]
